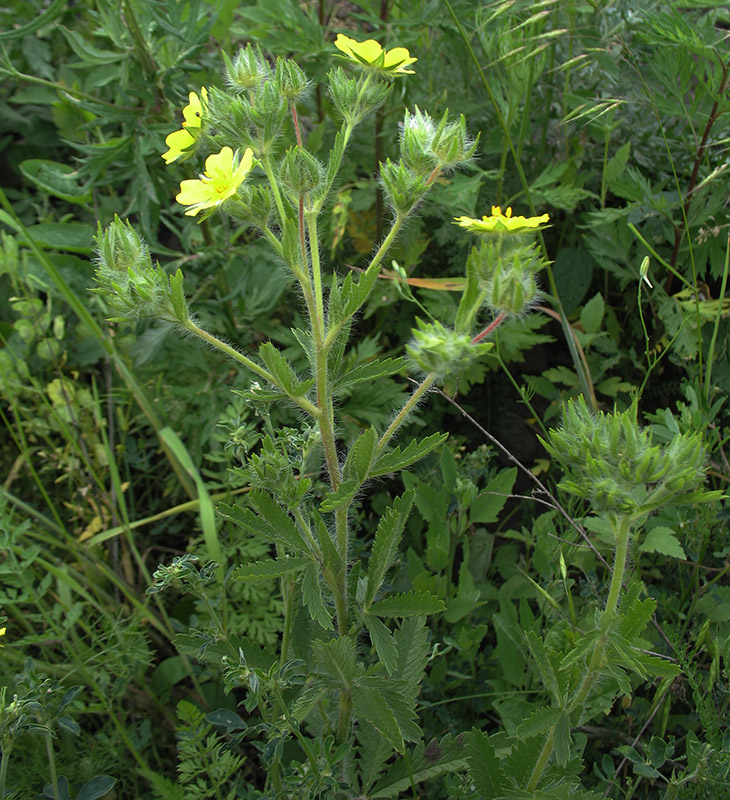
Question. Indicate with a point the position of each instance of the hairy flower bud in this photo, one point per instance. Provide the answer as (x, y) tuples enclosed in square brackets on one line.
[(247, 70), (290, 80), (451, 145), (403, 187), (128, 280), (440, 350), (356, 97), (300, 171), (415, 145)]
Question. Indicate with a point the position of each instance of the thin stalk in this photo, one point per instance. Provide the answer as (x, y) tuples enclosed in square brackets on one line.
[(52, 765), (621, 530), (410, 404), (312, 233), (492, 325), (191, 327), (716, 328), (269, 170), (4, 761), (288, 590)]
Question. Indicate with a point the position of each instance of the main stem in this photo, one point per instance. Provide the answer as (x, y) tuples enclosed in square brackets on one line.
[(52, 766)]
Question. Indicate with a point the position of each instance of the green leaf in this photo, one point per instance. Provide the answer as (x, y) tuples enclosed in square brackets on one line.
[(544, 665), (344, 494), (591, 315), (335, 659), (273, 568), (75, 237), (540, 721), (369, 372), (368, 704), (411, 639), (96, 787), (487, 505), (385, 546), (398, 459), (312, 597), (361, 456), (384, 643), (59, 180), (408, 604), (425, 763), (573, 271), (484, 766), (89, 54), (282, 370), (270, 524), (662, 540)]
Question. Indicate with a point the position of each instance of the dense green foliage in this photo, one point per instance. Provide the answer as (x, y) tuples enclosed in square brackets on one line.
[(525, 593)]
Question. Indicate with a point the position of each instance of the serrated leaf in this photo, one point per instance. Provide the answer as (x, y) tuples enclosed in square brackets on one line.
[(370, 706), (398, 459), (425, 763), (344, 494), (271, 522), (489, 503), (384, 643), (278, 366), (408, 604), (540, 721), (484, 766), (312, 597), (561, 739), (523, 758), (662, 540), (369, 372), (336, 660), (385, 546), (271, 568), (545, 667), (413, 651), (361, 457)]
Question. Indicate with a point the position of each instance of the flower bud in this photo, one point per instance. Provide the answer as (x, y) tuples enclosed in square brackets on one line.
[(403, 187), (290, 80), (356, 97), (440, 350), (300, 171), (415, 144), (451, 145), (266, 115), (247, 70), (251, 206), (129, 281)]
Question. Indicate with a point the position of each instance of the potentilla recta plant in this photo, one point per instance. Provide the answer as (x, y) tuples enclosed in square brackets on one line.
[(329, 709)]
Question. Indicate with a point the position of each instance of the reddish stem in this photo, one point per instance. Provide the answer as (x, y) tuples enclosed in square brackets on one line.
[(295, 117), (492, 325)]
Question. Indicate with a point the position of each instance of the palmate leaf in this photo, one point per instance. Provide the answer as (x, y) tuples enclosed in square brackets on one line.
[(385, 545), (271, 568), (398, 459), (408, 604), (424, 763)]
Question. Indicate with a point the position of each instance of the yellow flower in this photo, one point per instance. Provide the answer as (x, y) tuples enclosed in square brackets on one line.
[(502, 223), (181, 142), (2, 633), (370, 54), (223, 174)]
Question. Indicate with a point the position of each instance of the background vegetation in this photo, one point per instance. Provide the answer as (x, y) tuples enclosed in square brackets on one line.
[(118, 439)]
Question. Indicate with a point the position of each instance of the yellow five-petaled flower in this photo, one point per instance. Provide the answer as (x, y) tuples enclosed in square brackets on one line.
[(180, 142), (224, 173), (502, 223), (371, 54)]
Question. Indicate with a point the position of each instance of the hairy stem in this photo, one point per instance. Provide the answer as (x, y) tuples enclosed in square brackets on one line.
[(411, 403)]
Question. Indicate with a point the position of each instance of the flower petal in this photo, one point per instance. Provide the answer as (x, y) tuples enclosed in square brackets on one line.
[(178, 142)]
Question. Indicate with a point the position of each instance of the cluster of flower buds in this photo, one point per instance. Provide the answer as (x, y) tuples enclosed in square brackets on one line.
[(130, 282), (616, 465)]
